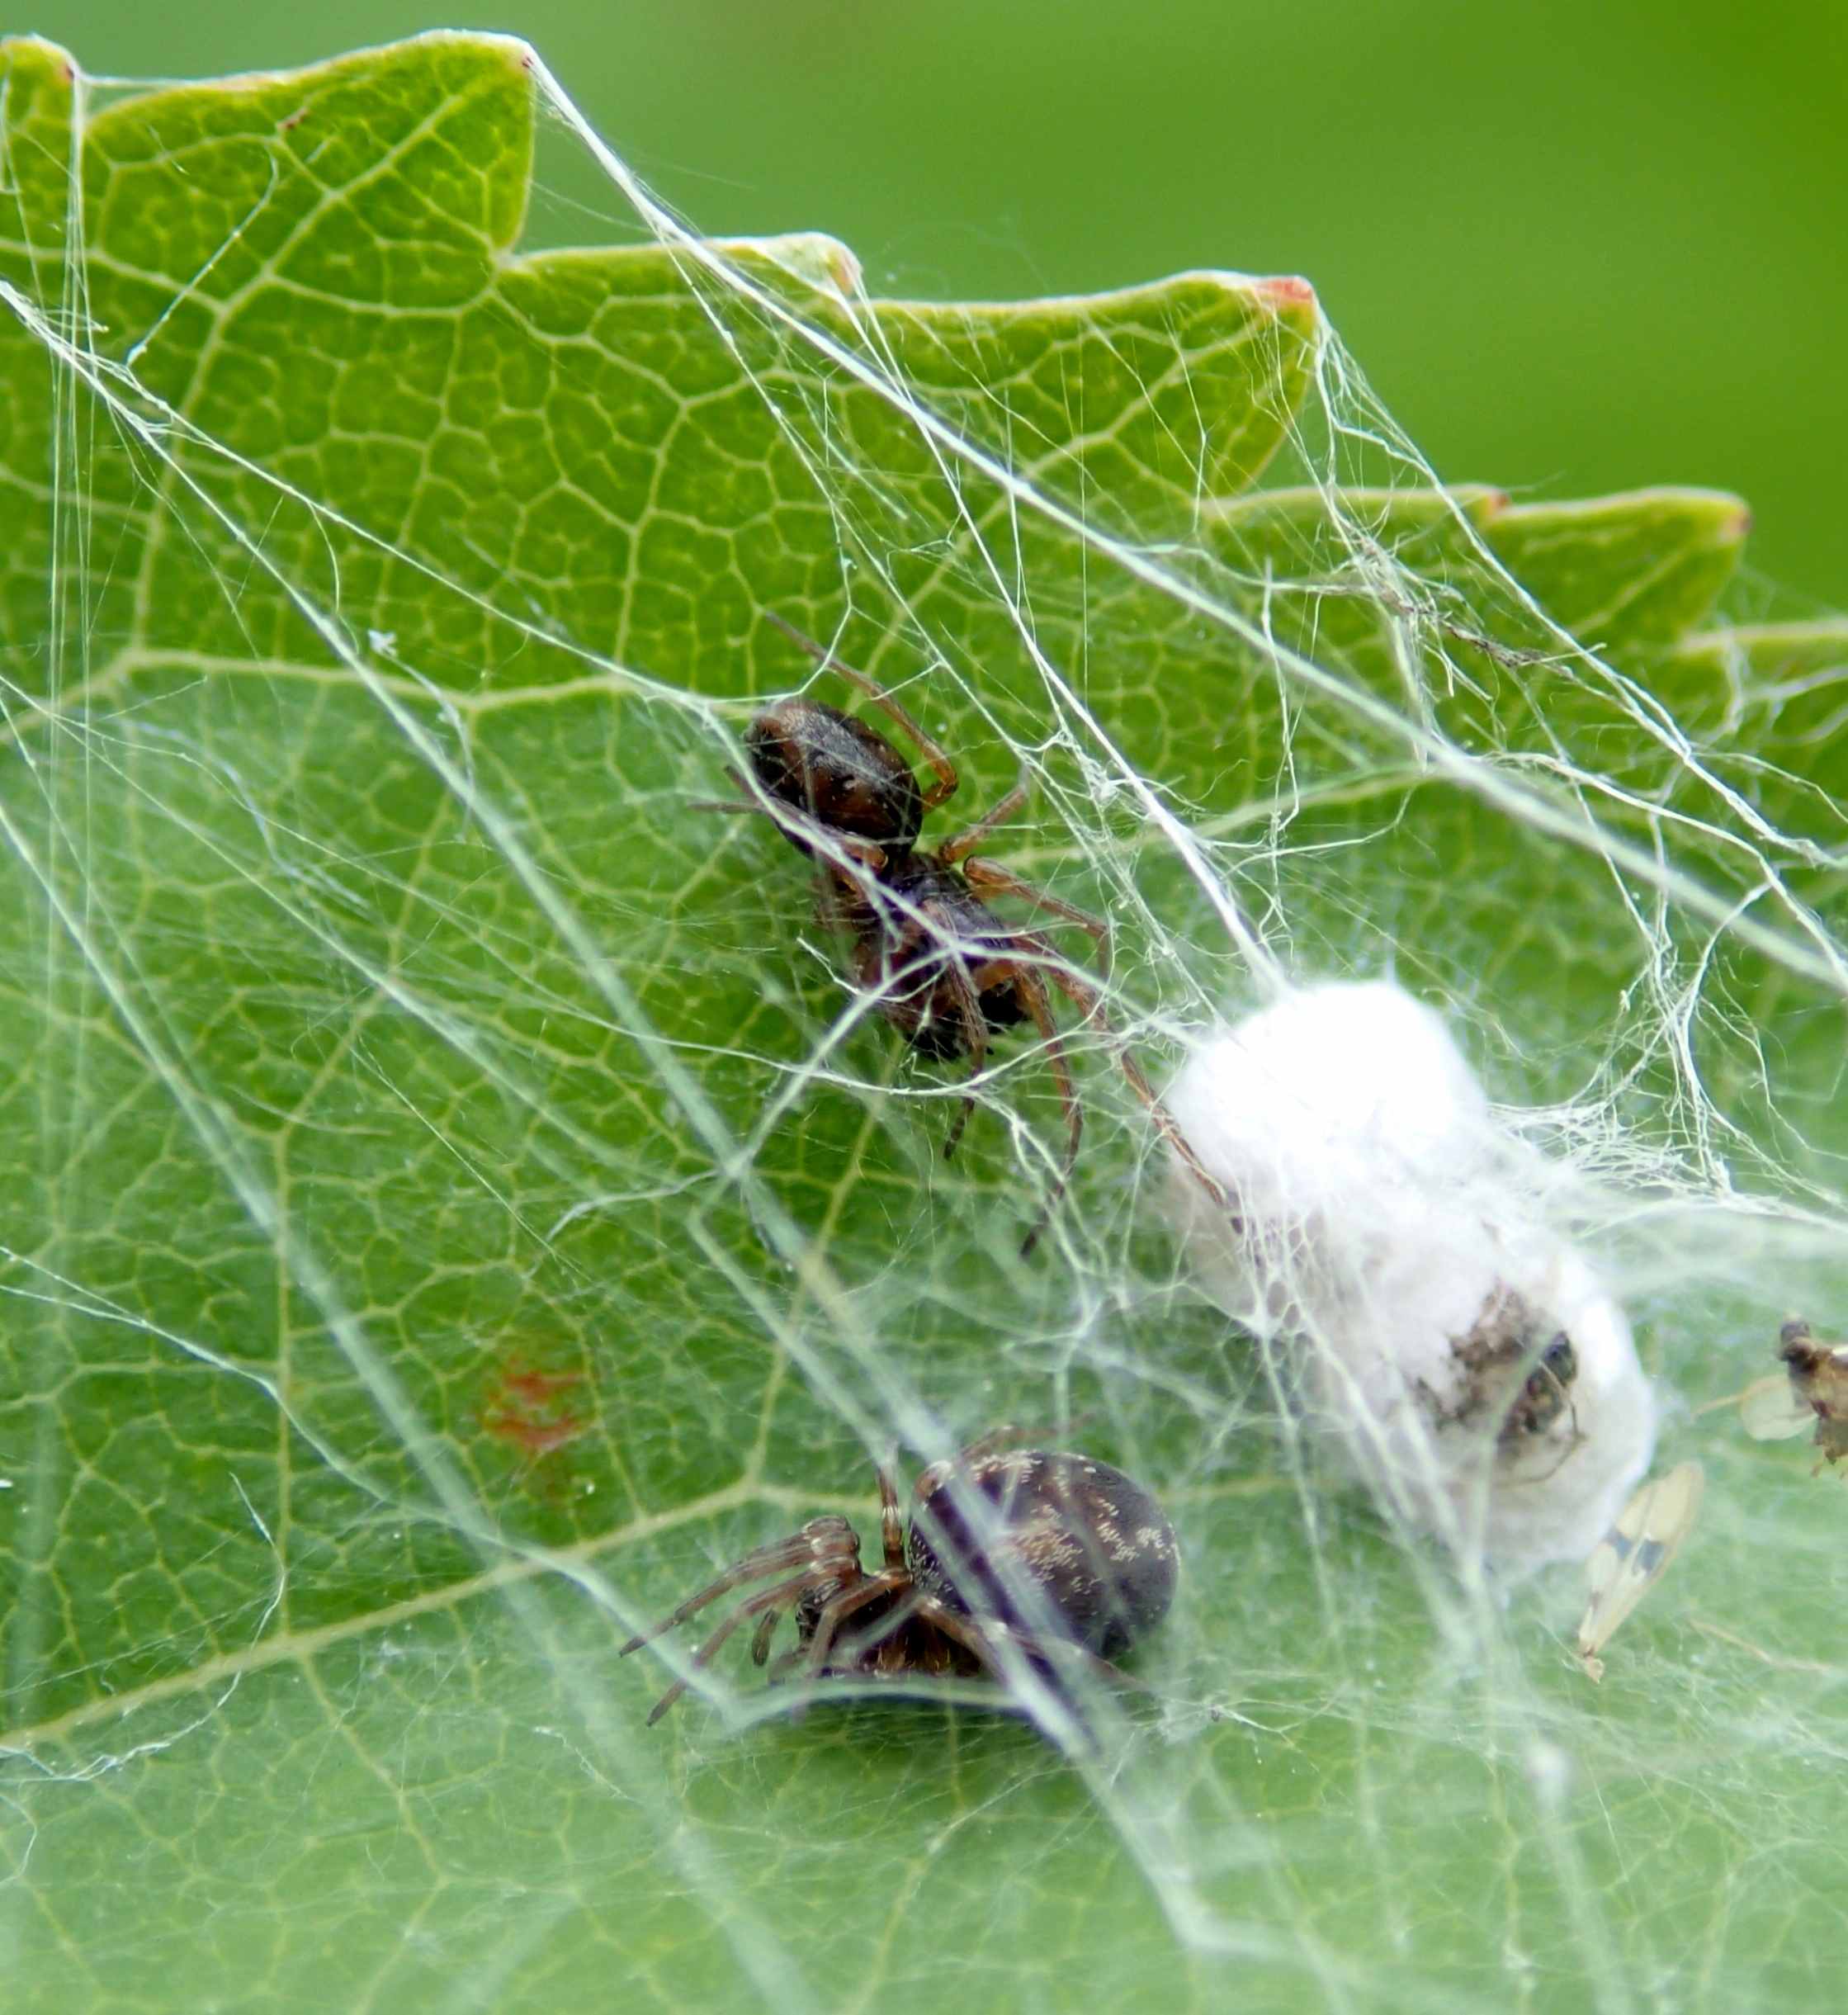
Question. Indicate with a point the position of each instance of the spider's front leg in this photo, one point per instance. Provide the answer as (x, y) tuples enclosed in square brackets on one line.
[(827, 1625), (967, 1004), (1029, 990), (838, 895), (971, 837), (761, 1637), (1089, 1002), (984, 1642), (991, 878), (772, 1599), (753, 1566), (934, 755), (891, 1521)]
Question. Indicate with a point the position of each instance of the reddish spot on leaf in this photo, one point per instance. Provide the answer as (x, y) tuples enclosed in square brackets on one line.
[(536, 1410), (533, 1387)]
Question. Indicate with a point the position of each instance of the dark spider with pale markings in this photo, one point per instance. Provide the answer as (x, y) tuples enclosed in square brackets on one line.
[(1060, 1557), (927, 950)]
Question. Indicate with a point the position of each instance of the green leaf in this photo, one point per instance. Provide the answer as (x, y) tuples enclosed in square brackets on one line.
[(452, 1210)]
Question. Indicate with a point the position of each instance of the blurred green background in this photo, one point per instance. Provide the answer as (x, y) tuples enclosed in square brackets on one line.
[(1576, 247)]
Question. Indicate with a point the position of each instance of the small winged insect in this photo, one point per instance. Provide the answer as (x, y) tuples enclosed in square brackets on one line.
[(1634, 1555), (1060, 1557), (1814, 1388)]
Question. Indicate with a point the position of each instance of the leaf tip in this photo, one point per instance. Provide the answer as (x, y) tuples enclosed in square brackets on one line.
[(36, 52), (1289, 290)]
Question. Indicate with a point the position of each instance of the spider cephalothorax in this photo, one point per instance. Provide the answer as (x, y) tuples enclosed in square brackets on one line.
[(927, 950), (1057, 1556)]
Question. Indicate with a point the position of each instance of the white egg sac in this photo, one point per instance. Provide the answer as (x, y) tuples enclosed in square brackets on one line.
[(1386, 1244)]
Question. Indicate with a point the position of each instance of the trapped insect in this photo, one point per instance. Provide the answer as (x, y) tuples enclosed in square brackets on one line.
[(1634, 1555), (1392, 1246), (1814, 1386), (1059, 1556), (927, 951), (1509, 1376)]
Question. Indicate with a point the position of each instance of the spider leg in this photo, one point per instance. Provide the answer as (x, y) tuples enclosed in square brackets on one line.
[(858, 1644), (724, 804), (977, 1637), (761, 1637), (991, 878), (771, 1599), (1010, 1436), (842, 1606), (969, 1015), (972, 836), (1090, 1003), (891, 1521), (992, 1443), (751, 1567), (853, 1647), (751, 801), (831, 900), (1032, 991), (966, 1631), (1048, 1651), (933, 754)]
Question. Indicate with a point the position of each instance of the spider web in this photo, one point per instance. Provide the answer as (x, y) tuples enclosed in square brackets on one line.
[(458, 1206)]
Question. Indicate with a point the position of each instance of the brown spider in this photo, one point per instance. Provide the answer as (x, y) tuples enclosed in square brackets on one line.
[(1091, 1551), (927, 951)]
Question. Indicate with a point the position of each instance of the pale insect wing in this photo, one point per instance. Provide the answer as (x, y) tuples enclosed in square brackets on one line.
[(1769, 1409), (1634, 1555)]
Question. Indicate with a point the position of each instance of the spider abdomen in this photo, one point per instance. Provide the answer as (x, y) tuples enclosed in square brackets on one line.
[(1066, 1544)]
